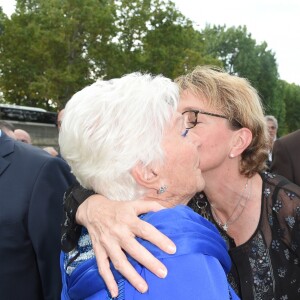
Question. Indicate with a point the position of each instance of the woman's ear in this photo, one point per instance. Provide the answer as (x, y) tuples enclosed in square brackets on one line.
[(145, 176), (241, 141)]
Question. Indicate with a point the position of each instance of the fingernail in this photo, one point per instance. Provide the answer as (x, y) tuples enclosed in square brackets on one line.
[(113, 293), (142, 288), (171, 249), (162, 273)]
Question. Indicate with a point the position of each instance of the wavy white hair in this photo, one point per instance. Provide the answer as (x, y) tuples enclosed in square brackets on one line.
[(110, 126)]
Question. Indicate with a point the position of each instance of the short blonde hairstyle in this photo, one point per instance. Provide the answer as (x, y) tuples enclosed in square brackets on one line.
[(239, 102), (110, 126)]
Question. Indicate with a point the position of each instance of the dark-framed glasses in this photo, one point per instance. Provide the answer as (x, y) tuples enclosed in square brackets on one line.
[(191, 117)]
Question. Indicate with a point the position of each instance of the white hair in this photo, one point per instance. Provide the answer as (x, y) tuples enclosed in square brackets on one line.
[(272, 119), (110, 126)]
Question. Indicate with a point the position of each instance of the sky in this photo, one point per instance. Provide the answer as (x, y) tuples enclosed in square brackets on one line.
[(277, 22)]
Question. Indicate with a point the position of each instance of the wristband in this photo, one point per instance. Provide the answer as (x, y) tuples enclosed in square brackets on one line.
[(70, 230)]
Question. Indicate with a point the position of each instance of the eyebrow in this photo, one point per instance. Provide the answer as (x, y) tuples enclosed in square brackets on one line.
[(191, 108)]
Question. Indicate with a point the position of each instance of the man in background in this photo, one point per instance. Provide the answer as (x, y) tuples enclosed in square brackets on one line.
[(272, 125), (59, 118), (286, 157), (51, 150), (23, 136), (32, 185)]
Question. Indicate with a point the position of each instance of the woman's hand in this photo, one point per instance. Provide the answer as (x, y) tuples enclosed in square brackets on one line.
[(112, 226)]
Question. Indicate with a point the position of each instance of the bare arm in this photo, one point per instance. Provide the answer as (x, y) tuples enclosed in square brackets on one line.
[(112, 227)]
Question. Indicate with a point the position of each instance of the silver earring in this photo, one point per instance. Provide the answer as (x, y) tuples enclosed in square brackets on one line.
[(162, 189)]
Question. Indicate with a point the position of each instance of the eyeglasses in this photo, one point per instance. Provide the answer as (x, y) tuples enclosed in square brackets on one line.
[(191, 117)]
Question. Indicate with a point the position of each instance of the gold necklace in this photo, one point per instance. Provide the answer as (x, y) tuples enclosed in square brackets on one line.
[(226, 224)]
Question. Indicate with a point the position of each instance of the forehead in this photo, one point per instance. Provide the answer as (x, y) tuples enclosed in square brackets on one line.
[(189, 97), (189, 100), (270, 123)]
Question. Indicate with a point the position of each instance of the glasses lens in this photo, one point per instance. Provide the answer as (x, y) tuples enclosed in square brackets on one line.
[(190, 119)]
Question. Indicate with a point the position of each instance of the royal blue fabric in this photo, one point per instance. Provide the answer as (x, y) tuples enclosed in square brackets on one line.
[(197, 270)]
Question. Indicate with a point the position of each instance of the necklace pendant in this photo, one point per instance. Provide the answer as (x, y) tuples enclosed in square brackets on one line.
[(202, 207), (225, 227)]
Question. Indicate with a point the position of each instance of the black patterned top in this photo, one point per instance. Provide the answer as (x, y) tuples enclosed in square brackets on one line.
[(267, 266)]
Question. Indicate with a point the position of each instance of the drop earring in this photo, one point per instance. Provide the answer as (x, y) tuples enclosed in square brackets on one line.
[(162, 189)]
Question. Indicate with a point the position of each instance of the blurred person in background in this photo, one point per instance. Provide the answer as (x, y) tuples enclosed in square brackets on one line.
[(51, 150), (60, 118), (272, 125), (286, 157), (23, 136)]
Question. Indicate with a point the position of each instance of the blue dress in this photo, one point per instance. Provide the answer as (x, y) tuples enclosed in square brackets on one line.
[(196, 271)]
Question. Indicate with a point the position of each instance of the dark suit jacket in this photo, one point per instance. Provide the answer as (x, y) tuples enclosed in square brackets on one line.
[(32, 184), (286, 157)]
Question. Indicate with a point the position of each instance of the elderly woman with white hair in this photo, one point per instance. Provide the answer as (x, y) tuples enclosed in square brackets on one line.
[(124, 139)]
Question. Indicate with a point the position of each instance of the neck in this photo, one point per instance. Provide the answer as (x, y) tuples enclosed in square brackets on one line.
[(166, 199), (225, 198), (237, 210), (224, 192)]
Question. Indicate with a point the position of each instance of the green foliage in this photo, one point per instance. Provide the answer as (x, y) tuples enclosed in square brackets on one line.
[(171, 45), (49, 49), (242, 56), (52, 48), (290, 95)]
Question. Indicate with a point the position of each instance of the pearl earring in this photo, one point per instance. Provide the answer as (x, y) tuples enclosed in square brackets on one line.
[(231, 155)]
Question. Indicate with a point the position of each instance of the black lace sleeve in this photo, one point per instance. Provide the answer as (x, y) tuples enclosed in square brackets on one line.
[(70, 230)]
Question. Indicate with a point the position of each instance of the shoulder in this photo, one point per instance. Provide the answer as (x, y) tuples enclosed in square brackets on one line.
[(37, 156), (188, 230), (27, 158), (184, 274), (31, 151), (278, 183), (292, 138), (283, 194), (179, 218), (44, 168)]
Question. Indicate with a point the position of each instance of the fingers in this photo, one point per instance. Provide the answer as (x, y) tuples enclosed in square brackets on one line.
[(120, 262), (144, 257), (147, 231), (126, 240), (113, 227), (104, 267)]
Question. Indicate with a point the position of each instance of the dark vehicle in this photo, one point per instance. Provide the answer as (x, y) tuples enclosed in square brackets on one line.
[(40, 124), (26, 114)]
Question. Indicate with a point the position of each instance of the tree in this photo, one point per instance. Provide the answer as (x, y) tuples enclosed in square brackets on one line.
[(52, 48), (155, 37), (172, 46), (290, 95), (47, 49), (242, 56)]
